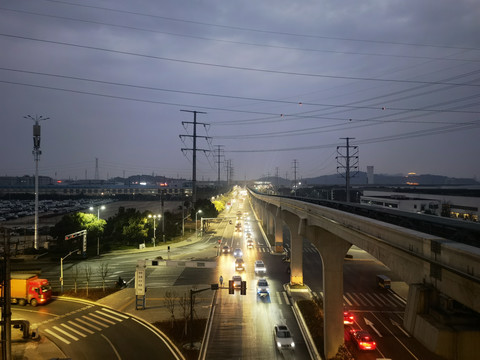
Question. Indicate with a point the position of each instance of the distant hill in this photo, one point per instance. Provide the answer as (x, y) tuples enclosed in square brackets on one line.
[(379, 179)]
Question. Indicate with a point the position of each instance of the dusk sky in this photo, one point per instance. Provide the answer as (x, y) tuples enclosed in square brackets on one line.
[(279, 81)]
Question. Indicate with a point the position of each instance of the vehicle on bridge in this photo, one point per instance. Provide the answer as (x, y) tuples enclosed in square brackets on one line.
[(262, 288), (260, 267)]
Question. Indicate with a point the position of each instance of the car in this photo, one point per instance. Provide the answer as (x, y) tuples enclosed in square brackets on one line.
[(238, 252), (260, 267), (363, 340), (283, 337), (237, 281), (226, 249), (262, 288), (249, 244), (239, 264), (348, 318)]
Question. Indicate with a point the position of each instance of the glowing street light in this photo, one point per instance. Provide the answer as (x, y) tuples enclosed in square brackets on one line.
[(98, 217), (198, 212), (154, 217)]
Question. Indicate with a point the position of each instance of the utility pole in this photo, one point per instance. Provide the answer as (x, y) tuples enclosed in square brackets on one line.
[(347, 161), (219, 155), (6, 337), (194, 149), (295, 167), (36, 154), (97, 174)]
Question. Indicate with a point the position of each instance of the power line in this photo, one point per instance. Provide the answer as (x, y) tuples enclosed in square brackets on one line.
[(231, 67)]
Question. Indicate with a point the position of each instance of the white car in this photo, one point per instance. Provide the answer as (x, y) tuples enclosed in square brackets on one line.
[(283, 338), (260, 267)]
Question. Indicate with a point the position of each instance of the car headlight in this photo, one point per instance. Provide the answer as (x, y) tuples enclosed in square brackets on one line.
[(279, 344), (293, 344)]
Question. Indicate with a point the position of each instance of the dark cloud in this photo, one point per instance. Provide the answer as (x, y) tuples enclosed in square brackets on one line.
[(279, 80)]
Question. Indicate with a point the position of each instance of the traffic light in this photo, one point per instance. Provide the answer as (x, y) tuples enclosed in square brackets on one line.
[(231, 290), (243, 288)]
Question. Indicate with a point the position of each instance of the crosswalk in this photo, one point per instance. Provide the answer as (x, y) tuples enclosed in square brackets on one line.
[(82, 324), (359, 300)]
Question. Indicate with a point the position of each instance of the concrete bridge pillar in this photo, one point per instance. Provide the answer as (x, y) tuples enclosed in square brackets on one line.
[(297, 231), (332, 250), (278, 231)]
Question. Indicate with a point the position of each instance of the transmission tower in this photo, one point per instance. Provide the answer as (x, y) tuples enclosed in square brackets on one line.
[(219, 156), (97, 175), (295, 167), (347, 163), (194, 149)]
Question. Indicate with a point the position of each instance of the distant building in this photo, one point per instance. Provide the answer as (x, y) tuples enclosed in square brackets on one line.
[(370, 175), (454, 206)]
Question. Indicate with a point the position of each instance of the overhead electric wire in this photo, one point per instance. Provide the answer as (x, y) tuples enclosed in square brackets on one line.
[(232, 67), (263, 30), (447, 58)]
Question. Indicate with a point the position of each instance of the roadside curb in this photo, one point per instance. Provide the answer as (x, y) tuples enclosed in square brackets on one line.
[(307, 337)]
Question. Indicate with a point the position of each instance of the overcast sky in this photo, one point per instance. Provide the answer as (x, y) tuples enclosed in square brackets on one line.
[(280, 82)]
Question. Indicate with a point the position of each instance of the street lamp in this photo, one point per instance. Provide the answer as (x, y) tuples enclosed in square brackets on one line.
[(198, 212), (61, 267), (36, 155), (154, 217), (98, 218)]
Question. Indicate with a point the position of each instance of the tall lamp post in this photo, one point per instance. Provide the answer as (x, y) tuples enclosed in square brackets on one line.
[(36, 155), (154, 217), (61, 267), (98, 218), (198, 212)]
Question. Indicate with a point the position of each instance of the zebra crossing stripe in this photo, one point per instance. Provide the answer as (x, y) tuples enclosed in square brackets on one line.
[(353, 299), (74, 330), (81, 327), (66, 333), (376, 301), (88, 324), (95, 321), (57, 336), (111, 316), (101, 318), (366, 299), (347, 301), (115, 313)]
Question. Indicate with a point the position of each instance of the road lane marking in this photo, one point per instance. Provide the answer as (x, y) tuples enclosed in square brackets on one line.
[(66, 333), (118, 317), (102, 318), (347, 301), (286, 298), (81, 327), (279, 298), (57, 336), (94, 321), (88, 324), (113, 347), (366, 299), (74, 330)]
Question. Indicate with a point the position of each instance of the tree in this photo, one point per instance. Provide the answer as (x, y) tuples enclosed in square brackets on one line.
[(75, 275), (88, 275), (170, 298), (103, 271)]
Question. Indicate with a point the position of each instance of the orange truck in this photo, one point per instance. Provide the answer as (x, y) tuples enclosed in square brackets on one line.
[(29, 288)]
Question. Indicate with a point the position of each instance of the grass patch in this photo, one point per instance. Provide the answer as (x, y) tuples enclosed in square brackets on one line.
[(94, 294)]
